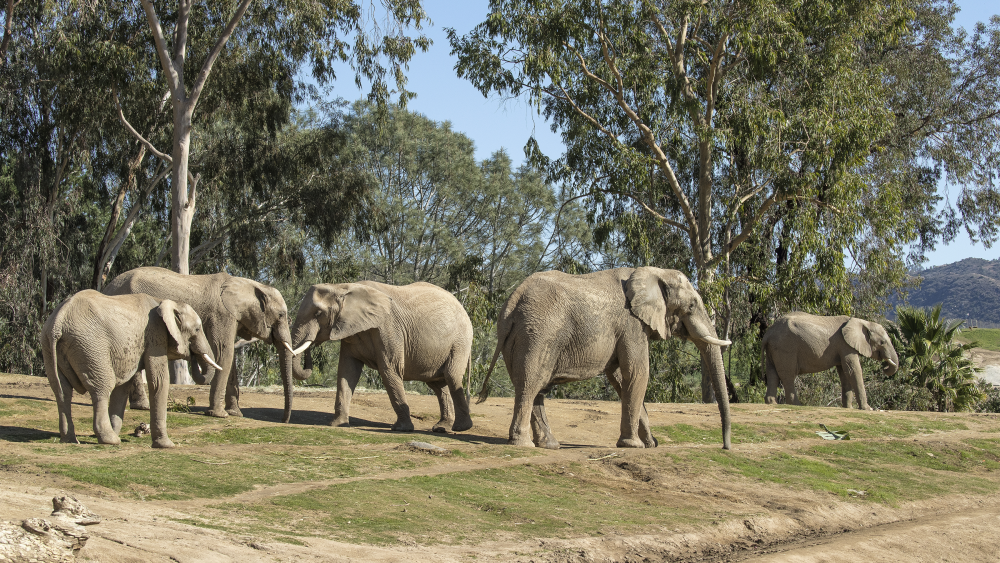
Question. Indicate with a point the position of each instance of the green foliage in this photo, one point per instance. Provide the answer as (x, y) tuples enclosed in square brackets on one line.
[(931, 357)]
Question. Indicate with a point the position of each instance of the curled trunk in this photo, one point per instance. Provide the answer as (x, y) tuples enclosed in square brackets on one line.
[(304, 333)]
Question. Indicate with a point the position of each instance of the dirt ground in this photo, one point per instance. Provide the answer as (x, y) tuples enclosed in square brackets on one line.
[(786, 527)]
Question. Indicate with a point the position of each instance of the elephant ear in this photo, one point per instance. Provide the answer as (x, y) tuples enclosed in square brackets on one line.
[(363, 308), (169, 312), (645, 295), (855, 332)]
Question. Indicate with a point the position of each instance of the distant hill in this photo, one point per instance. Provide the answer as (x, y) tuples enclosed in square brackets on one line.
[(969, 289)]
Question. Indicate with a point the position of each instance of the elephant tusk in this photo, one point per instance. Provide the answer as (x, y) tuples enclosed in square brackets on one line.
[(211, 362), (891, 363), (305, 346), (289, 346), (716, 341)]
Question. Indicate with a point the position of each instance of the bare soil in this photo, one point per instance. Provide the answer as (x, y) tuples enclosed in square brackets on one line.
[(786, 525)]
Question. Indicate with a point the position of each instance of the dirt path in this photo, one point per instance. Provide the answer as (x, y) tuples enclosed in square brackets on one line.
[(800, 527)]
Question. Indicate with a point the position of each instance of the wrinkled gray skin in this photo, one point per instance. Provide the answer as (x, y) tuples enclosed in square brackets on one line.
[(99, 342), (800, 343), (416, 332), (556, 328), (230, 307)]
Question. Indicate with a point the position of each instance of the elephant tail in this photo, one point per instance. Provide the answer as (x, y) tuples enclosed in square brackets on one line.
[(484, 391)]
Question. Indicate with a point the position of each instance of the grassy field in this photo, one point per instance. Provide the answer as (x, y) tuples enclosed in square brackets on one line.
[(252, 478), (988, 338)]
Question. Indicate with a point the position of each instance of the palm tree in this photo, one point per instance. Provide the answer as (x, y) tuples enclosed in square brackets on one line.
[(930, 357)]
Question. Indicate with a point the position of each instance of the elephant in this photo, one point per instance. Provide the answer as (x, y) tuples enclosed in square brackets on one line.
[(799, 343), (415, 332), (95, 343), (230, 307), (556, 328)]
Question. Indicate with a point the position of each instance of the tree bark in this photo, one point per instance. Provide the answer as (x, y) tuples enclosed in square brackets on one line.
[(7, 32)]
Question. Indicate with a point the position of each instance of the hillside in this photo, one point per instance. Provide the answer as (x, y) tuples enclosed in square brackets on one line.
[(969, 289)]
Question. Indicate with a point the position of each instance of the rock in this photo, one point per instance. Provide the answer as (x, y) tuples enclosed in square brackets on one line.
[(39, 539), (429, 448)]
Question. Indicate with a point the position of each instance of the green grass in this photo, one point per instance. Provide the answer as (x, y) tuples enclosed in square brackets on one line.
[(888, 472), (859, 425), (473, 506), (13, 407), (988, 338)]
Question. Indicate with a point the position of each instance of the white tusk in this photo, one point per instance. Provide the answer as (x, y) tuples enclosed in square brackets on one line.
[(305, 346), (289, 346), (716, 341), (891, 363), (211, 362)]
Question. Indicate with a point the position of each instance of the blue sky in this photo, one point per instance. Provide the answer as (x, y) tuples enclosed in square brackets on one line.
[(494, 123)]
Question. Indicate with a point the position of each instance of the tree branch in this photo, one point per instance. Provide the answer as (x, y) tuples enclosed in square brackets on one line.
[(161, 46), (136, 134), (223, 39), (7, 31)]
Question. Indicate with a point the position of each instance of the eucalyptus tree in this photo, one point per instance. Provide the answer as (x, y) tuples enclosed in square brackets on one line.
[(284, 37)]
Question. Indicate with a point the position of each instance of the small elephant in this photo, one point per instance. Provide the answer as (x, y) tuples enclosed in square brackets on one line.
[(415, 332), (556, 328), (95, 343), (800, 343), (230, 307)]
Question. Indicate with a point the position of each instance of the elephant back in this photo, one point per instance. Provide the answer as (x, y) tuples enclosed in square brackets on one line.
[(201, 292)]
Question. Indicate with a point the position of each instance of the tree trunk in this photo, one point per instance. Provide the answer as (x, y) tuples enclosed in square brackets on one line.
[(182, 201)]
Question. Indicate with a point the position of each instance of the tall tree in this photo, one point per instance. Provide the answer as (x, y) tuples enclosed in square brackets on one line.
[(293, 34)]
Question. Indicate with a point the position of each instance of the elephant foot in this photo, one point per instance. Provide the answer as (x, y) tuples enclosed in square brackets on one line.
[(217, 413), (403, 426), (630, 443), (442, 426), (523, 442), (109, 441), (69, 440), (341, 421), (235, 411), (462, 424), (163, 443), (550, 444), (771, 400), (651, 442)]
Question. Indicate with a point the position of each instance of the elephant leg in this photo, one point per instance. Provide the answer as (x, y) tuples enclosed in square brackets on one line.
[(392, 379), (220, 389), (788, 383), (454, 378), (348, 375), (63, 391), (771, 378), (100, 398), (529, 378), (855, 376), (541, 434), (846, 390), (138, 399), (117, 403), (158, 380), (233, 391), (445, 404), (645, 432), (633, 359)]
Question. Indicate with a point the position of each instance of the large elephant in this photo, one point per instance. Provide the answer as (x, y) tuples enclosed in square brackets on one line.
[(800, 343), (230, 307), (557, 328), (95, 343), (415, 332)]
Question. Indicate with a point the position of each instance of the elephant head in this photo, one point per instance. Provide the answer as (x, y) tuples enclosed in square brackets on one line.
[(668, 305), (185, 335), (871, 340), (334, 312)]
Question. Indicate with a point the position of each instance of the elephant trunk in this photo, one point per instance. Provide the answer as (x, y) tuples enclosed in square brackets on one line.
[(282, 339), (712, 360), (203, 363), (892, 362), (304, 333), (700, 330)]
